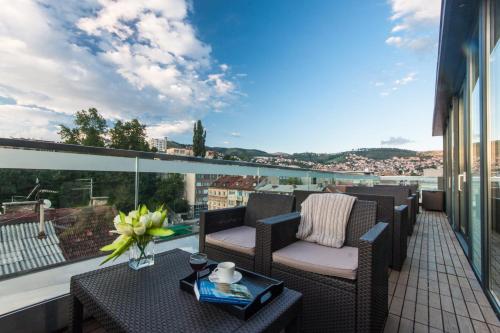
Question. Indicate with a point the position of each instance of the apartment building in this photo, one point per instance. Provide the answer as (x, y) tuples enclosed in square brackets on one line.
[(159, 144), (196, 191), (231, 191), (189, 152)]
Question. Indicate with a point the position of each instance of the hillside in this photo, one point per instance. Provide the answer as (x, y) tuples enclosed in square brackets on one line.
[(241, 153), (372, 153)]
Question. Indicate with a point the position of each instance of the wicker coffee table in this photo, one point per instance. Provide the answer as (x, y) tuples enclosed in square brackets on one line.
[(150, 300)]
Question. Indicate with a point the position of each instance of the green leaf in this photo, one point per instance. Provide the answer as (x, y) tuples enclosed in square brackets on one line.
[(143, 210), (122, 217), (116, 253), (116, 244), (160, 232)]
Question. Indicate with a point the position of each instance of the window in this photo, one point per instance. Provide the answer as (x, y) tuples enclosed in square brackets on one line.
[(494, 142)]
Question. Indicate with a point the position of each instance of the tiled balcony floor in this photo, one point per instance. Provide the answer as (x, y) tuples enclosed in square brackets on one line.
[(436, 291)]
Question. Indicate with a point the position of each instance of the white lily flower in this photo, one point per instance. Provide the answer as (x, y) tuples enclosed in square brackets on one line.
[(133, 214), (128, 220), (140, 229), (146, 220), (124, 229), (117, 219), (156, 218)]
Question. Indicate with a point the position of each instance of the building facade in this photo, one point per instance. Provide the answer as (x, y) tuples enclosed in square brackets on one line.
[(231, 191), (467, 115), (159, 144), (196, 191)]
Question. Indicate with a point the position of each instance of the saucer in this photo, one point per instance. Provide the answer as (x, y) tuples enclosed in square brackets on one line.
[(236, 278)]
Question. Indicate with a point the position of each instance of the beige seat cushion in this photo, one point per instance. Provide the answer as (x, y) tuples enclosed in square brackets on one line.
[(239, 239), (339, 262)]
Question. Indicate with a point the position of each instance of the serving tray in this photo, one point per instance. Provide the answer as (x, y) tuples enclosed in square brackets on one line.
[(263, 288)]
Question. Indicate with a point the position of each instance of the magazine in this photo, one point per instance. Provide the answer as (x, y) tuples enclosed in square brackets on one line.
[(236, 294)]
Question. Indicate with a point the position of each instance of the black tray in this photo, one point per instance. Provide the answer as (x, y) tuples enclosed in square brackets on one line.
[(264, 290)]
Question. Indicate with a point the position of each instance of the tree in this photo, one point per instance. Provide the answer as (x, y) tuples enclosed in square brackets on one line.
[(291, 181), (199, 136), (129, 135), (90, 128)]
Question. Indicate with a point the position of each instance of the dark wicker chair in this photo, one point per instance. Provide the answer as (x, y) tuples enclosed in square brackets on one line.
[(395, 216), (300, 197), (332, 303), (244, 218), (402, 196), (413, 191)]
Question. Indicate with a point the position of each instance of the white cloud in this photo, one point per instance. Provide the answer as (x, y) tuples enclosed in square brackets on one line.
[(405, 80), (396, 41), (132, 58), (168, 128), (235, 134), (417, 21), (30, 122), (416, 11), (395, 141), (399, 27)]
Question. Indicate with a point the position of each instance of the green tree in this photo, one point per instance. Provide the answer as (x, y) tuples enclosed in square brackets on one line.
[(291, 181), (90, 128), (129, 135), (199, 136)]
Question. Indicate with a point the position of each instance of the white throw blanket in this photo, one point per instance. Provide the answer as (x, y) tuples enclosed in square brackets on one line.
[(324, 218)]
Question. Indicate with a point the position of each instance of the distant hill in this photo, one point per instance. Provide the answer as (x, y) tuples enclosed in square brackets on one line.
[(372, 153), (244, 154)]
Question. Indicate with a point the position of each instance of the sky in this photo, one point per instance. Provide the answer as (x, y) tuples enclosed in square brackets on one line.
[(281, 76)]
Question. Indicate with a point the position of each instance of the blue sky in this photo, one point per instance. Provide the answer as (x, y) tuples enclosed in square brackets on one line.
[(291, 76)]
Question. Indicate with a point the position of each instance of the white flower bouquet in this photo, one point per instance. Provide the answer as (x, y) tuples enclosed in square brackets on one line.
[(137, 229)]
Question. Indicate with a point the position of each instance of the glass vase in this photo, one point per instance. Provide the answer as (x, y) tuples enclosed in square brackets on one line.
[(141, 255)]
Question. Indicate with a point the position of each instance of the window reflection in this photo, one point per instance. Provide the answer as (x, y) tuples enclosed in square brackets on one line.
[(494, 137)]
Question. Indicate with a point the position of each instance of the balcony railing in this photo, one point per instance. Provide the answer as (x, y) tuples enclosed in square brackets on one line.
[(73, 192)]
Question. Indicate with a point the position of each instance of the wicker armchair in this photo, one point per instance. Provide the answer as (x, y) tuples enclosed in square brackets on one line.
[(395, 216), (229, 234), (413, 192), (402, 196), (355, 300)]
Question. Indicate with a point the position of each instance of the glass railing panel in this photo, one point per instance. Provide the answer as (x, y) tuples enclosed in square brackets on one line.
[(51, 217)]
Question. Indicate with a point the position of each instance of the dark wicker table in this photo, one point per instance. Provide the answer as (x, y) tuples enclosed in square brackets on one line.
[(150, 300)]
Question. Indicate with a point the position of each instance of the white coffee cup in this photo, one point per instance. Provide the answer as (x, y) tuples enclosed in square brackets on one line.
[(224, 272)]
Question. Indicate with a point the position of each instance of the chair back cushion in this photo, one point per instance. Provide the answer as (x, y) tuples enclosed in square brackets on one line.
[(324, 218), (300, 197), (264, 205), (363, 217)]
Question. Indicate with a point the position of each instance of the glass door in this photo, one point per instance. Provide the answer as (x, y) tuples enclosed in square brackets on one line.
[(462, 225), (474, 153)]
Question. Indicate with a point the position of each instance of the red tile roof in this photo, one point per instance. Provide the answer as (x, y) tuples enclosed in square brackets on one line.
[(245, 183)]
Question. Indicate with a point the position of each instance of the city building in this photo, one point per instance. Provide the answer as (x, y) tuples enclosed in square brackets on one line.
[(189, 152), (231, 191), (288, 189), (467, 114), (196, 191), (160, 144), (180, 151)]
